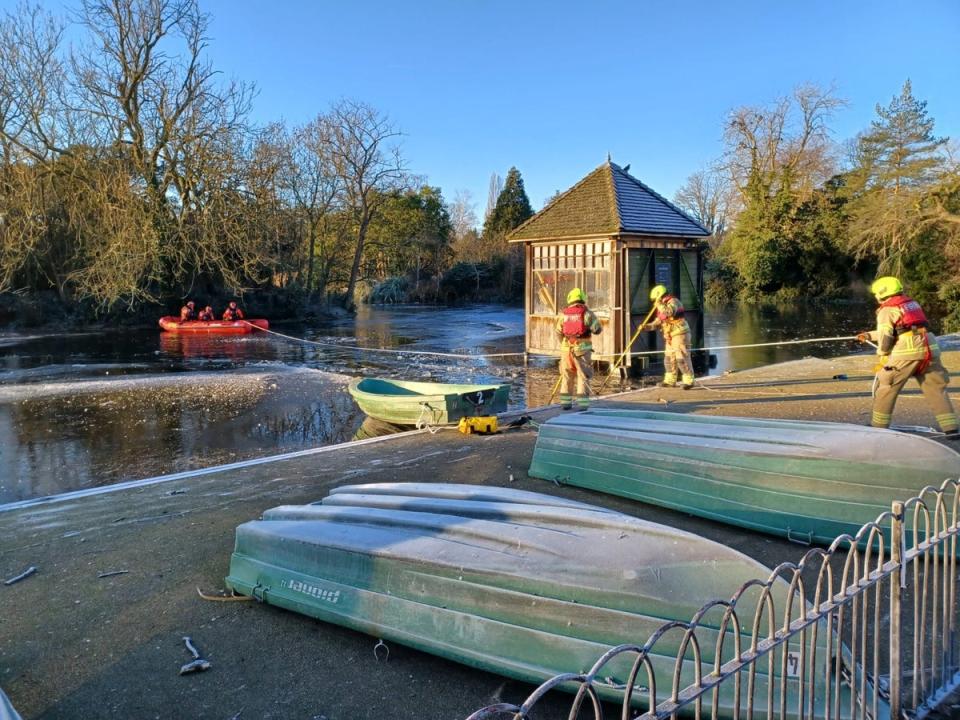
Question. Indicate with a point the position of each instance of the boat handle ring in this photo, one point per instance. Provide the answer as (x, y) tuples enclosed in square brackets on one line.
[(799, 539), (386, 648)]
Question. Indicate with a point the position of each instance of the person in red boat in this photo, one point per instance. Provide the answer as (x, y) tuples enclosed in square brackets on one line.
[(233, 312), (187, 312), (206, 314)]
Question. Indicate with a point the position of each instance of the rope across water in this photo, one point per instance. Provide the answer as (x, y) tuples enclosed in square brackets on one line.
[(475, 356), (837, 338), (430, 353)]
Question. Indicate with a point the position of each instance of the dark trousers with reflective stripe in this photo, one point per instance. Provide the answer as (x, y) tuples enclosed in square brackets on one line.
[(933, 383)]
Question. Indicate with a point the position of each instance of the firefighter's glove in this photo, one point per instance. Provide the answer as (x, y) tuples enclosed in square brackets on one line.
[(863, 337), (882, 361)]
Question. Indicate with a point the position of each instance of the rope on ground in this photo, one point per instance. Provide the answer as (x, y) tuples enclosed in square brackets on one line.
[(423, 423), (721, 388), (223, 598), (429, 353)]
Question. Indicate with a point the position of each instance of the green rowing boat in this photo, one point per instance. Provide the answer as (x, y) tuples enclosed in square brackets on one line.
[(425, 403), (517, 583), (807, 481)]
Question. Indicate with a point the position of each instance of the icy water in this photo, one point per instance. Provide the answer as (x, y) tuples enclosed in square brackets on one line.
[(83, 410)]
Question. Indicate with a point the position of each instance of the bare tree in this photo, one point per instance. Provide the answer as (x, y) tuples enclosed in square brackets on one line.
[(493, 192), (709, 197), (315, 188), (784, 146), (146, 80), (139, 152), (463, 215), (368, 162), (33, 120)]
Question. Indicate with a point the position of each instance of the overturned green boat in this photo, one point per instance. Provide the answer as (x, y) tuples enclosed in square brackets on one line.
[(516, 583), (807, 481), (425, 403)]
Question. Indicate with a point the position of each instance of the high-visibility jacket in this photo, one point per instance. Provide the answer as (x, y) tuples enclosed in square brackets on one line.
[(670, 318), (902, 332), (591, 326)]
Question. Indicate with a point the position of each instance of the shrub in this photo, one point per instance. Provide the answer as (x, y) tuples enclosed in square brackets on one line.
[(390, 292)]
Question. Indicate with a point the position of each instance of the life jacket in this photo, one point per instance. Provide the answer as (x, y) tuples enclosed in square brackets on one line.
[(187, 314), (574, 326), (913, 316), (678, 309), (231, 314)]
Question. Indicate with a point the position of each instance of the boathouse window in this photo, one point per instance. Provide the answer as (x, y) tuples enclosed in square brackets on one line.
[(558, 268), (596, 284)]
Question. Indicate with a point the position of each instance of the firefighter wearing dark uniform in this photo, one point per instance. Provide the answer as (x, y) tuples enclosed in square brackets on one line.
[(575, 327), (676, 338), (906, 349)]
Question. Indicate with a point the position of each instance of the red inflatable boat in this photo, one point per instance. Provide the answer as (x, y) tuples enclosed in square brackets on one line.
[(171, 323)]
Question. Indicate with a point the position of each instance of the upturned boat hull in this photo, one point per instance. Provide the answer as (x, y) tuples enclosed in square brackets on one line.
[(423, 403), (520, 584), (807, 481)]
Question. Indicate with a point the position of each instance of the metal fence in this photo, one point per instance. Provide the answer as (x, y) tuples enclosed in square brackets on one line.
[(864, 629)]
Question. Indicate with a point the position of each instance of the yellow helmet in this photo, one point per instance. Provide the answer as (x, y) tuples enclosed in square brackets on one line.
[(576, 295), (658, 292), (885, 287)]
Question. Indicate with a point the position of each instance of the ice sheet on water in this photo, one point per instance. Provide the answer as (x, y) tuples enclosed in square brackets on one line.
[(67, 370), (241, 377)]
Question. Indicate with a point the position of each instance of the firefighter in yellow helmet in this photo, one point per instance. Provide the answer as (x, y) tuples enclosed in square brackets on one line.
[(906, 349), (676, 338), (575, 326)]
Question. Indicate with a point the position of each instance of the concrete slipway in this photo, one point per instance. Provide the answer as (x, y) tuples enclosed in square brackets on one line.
[(73, 645)]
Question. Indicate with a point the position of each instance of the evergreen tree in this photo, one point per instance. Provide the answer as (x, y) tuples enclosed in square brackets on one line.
[(512, 208), (898, 160), (901, 149)]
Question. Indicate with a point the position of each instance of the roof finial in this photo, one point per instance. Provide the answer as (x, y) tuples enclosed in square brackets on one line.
[(608, 157)]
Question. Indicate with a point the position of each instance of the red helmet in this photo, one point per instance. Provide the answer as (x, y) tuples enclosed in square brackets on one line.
[(190, 304), (233, 303)]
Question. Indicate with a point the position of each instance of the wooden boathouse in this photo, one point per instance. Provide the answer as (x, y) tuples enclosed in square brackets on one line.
[(615, 238)]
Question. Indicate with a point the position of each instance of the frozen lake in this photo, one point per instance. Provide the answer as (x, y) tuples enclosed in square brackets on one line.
[(81, 410)]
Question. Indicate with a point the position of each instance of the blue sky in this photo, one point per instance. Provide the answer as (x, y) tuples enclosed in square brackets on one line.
[(552, 87)]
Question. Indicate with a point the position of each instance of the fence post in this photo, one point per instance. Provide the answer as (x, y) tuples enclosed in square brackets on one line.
[(896, 593)]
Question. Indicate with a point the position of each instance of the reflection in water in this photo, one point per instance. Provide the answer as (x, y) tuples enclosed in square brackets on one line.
[(204, 346), (371, 428), (749, 324), (188, 401)]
